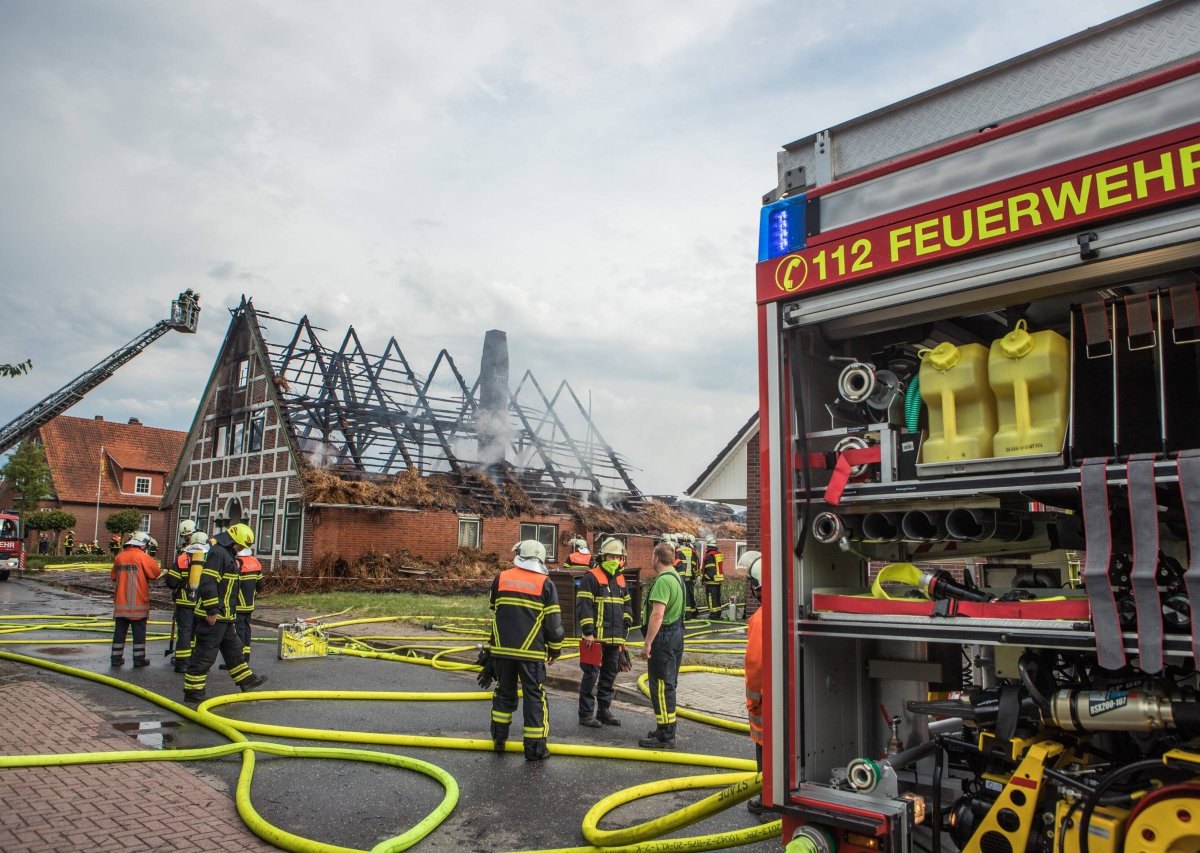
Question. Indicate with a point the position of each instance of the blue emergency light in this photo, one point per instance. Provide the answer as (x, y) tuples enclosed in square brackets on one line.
[(781, 227)]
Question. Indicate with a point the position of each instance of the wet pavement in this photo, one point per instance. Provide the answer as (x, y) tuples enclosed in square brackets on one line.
[(505, 803)]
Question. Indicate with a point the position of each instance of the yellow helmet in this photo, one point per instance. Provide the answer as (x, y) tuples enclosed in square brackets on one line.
[(242, 535)]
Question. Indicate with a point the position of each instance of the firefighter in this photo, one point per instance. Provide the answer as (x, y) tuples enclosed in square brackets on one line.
[(247, 588), (215, 627), (662, 626), (714, 577), (604, 614), (114, 544), (178, 580), (751, 562), (69, 543), (132, 571), (685, 564), (580, 558), (526, 633)]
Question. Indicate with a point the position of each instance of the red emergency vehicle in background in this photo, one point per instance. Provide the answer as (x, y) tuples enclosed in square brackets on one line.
[(12, 544), (979, 351)]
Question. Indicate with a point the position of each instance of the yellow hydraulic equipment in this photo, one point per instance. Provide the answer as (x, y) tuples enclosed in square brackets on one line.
[(302, 639)]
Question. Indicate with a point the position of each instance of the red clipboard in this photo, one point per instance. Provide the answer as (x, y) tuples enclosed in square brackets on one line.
[(592, 656)]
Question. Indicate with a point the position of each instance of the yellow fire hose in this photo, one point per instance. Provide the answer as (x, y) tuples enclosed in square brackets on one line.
[(742, 784)]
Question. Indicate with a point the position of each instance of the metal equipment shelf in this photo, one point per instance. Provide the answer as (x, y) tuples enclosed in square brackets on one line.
[(1040, 633), (1062, 480)]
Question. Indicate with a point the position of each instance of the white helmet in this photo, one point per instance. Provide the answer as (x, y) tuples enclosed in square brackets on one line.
[(198, 538), (187, 527), (669, 538), (612, 547), (530, 554), (711, 543), (139, 539), (578, 544), (751, 562)]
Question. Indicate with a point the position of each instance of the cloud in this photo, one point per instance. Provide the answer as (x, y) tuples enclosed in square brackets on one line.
[(584, 176)]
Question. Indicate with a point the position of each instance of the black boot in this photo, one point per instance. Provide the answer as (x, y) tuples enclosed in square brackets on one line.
[(658, 739), (116, 662), (536, 750), (253, 682), (141, 661), (606, 718), (590, 722), (499, 737)]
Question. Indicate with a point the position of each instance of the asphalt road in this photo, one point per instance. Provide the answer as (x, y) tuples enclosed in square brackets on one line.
[(505, 803)]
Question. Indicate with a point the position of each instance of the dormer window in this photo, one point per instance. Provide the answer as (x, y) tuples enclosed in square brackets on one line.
[(141, 485)]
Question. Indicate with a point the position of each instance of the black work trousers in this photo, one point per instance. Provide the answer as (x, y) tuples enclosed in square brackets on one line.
[(599, 679), (243, 629), (536, 715), (713, 592), (220, 636), (185, 632), (665, 656), (120, 631), (690, 594)]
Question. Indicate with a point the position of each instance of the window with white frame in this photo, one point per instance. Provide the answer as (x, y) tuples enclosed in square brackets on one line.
[(221, 442), (243, 373), (547, 534), (141, 485), (144, 526), (468, 532)]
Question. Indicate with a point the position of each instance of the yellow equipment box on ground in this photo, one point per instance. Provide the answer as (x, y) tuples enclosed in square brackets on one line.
[(302, 639)]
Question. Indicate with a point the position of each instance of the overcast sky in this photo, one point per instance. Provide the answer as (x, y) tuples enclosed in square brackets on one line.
[(585, 176)]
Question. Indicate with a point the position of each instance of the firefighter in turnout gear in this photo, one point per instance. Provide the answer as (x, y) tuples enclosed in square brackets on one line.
[(69, 543), (714, 577), (247, 587), (526, 633), (580, 557), (132, 571), (216, 598), (179, 580), (685, 564), (751, 562), (604, 615)]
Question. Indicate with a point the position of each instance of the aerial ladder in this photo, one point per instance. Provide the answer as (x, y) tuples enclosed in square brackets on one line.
[(185, 313)]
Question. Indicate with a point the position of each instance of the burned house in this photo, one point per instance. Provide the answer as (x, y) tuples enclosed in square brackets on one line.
[(333, 452)]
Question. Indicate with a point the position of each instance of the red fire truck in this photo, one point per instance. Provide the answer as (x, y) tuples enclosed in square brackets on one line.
[(12, 544), (979, 351)]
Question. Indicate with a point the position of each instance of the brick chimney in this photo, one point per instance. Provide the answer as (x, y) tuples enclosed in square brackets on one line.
[(97, 417), (135, 422)]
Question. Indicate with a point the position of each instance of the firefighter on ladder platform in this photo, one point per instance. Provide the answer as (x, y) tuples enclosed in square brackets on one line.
[(216, 630), (604, 614), (527, 632), (714, 577)]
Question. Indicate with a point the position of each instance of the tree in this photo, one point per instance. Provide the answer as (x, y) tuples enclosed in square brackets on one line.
[(28, 475), (55, 520), (16, 369), (123, 522)]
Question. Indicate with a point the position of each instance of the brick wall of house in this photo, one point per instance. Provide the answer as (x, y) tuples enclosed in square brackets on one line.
[(753, 494)]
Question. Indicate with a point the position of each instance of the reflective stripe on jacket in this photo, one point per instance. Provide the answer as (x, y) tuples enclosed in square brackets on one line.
[(220, 577), (713, 564), (603, 607), (177, 576), (248, 585), (527, 620), (132, 571), (754, 684), (685, 562)]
